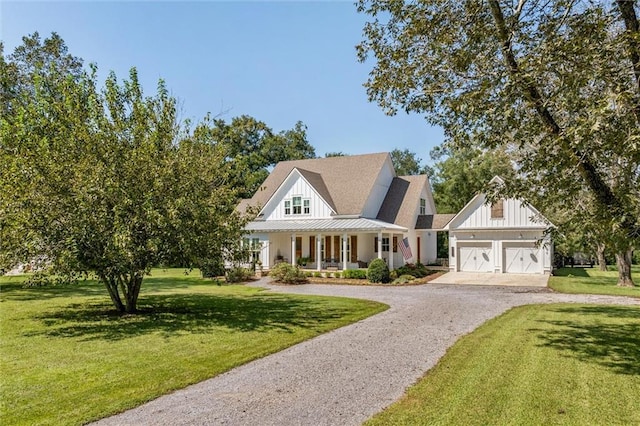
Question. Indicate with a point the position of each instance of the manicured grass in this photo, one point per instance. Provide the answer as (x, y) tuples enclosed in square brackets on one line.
[(535, 365), (593, 281), (67, 358)]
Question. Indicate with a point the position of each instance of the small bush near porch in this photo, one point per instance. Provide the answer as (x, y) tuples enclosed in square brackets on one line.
[(66, 358)]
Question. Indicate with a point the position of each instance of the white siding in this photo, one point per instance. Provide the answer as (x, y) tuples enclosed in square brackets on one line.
[(379, 190), (516, 215), (296, 185)]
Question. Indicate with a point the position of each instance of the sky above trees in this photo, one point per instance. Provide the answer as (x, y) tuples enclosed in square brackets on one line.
[(277, 62)]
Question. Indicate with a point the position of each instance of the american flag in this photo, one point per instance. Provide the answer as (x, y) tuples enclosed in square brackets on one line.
[(405, 249)]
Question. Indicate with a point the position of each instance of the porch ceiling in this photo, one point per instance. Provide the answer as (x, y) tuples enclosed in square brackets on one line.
[(324, 225)]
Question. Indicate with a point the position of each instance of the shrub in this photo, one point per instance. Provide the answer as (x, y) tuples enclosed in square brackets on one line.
[(417, 270), (317, 274), (212, 268), (336, 274), (403, 279), (286, 273), (393, 275), (378, 271), (358, 274), (236, 275)]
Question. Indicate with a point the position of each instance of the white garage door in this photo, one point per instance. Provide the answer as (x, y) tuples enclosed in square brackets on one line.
[(476, 259), (522, 260)]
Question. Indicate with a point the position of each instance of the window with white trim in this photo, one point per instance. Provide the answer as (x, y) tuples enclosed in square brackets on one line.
[(297, 206), (423, 206)]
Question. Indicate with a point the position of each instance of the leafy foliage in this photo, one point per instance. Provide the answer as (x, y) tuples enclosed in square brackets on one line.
[(554, 84), (238, 274), (285, 273), (108, 181), (358, 274), (407, 163), (416, 270), (378, 271), (462, 173)]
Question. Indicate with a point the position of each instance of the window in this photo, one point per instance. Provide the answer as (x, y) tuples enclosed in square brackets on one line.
[(385, 244), (297, 205), (423, 206), (497, 210)]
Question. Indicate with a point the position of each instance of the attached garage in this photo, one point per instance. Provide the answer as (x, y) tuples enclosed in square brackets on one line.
[(506, 236), (476, 258)]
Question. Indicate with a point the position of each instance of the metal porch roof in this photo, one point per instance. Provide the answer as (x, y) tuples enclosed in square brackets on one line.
[(324, 225)]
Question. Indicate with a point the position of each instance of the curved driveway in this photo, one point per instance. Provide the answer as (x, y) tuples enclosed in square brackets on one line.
[(345, 376)]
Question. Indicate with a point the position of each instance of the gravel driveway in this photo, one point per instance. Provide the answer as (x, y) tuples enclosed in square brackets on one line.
[(345, 376)]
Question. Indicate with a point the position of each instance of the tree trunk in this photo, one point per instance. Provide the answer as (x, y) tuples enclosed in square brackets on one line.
[(134, 284), (127, 284), (112, 288), (623, 260), (602, 261)]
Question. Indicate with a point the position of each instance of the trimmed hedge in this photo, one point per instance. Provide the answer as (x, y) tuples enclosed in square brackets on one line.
[(378, 271), (357, 274)]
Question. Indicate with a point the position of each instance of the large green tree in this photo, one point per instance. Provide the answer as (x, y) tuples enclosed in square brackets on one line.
[(104, 182), (407, 163), (252, 148), (459, 174), (557, 83)]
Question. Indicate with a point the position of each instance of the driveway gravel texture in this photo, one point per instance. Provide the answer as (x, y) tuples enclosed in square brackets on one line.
[(345, 376)]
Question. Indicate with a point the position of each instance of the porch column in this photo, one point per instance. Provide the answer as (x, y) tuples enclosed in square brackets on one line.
[(319, 252), (344, 251), (293, 249), (390, 251), (379, 244)]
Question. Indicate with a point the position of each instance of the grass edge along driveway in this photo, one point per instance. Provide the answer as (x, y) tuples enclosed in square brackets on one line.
[(66, 358), (562, 364)]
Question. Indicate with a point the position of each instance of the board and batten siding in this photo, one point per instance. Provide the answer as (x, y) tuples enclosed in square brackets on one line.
[(294, 188), (516, 215)]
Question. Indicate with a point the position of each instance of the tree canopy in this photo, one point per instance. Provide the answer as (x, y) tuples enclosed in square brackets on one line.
[(407, 163), (107, 181), (556, 84)]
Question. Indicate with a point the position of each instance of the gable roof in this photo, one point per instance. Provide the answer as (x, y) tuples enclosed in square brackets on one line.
[(470, 206), (434, 221), (344, 182), (402, 200)]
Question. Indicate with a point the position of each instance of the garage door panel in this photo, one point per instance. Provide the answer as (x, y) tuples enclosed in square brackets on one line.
[(522, 260), (475, 259)]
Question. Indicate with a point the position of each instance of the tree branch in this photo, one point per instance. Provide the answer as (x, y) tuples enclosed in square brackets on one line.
[(603, 193), (632, 26)]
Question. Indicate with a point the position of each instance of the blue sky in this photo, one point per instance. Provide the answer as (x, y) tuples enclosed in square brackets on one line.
[(279, 62)]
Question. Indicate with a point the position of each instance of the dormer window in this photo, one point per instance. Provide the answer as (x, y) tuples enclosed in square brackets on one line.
[(497, 210), (423, 206), (297, 206)]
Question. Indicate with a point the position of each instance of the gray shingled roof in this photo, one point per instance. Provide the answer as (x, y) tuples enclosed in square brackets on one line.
[(348, 181), (433, 221), (402, 200)]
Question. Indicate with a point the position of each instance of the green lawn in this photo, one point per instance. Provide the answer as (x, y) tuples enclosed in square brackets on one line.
[(593, 281), (67, 358), (558, 364)]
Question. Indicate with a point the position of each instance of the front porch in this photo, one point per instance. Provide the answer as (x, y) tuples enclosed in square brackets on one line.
[(327, 244)]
